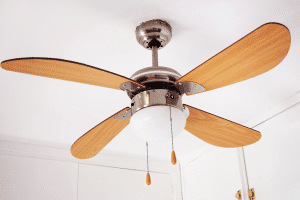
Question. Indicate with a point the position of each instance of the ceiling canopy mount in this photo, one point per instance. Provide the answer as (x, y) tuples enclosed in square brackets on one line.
[(154, 32)]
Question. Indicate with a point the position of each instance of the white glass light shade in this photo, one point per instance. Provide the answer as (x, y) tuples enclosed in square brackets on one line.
[(153, 124)]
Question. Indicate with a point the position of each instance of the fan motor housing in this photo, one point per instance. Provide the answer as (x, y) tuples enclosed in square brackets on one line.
[(155, 78), (160, 88)]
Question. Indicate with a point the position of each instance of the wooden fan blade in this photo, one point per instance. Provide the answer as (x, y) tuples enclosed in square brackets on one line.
[(66, 70), (254, 54), (91, 143), (218, 131)]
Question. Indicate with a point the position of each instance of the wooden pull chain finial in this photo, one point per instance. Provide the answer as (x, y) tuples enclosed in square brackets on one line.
[(148, 179), (173, 158)]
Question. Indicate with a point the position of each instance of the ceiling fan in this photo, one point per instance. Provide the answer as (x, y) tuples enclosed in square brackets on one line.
[(156, 92)]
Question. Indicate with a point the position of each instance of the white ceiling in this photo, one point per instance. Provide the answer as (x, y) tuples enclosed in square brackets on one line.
[(101, 34)]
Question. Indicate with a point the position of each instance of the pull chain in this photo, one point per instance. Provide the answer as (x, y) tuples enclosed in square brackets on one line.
[(173, 156), (171, 129), (147, 158), (148, 179)]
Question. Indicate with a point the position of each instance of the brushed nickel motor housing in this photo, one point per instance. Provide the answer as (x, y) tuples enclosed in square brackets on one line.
[(155, 78), (156, 97), (159, 78), (153, 29)]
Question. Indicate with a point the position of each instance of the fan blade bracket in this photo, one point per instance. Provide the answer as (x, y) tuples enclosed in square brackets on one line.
[(124, 115), (130, 86), (186, 111), (189, 88)]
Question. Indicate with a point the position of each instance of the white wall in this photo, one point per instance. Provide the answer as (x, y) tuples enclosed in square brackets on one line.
[(32, 171), (273, 163), (214, 175), (32, 178), (96, 182)]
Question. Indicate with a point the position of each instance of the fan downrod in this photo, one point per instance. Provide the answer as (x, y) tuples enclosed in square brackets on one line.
[(154, 33)]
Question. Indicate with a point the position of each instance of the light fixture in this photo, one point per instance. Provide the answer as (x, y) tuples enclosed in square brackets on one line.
[(153, 124)]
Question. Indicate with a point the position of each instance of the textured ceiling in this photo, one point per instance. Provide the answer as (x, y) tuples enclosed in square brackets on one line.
[(101, 34)]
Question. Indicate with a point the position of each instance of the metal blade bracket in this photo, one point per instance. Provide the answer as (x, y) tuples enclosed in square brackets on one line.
[(189, 88), (186, 111), (124, 115), (130, 86)]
